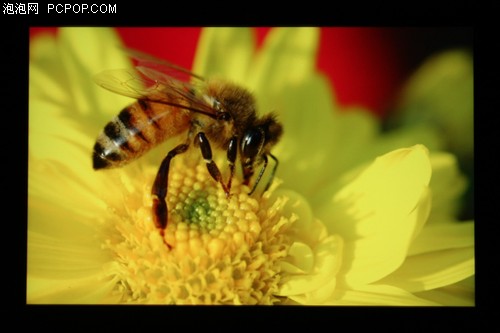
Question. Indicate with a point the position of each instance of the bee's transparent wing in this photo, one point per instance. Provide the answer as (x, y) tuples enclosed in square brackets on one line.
[(146, 60), (128, 82), (158, 81)]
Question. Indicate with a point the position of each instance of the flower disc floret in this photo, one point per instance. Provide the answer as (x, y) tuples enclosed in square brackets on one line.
[(220, 250)]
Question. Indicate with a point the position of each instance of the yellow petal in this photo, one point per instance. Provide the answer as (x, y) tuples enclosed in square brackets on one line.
[(43, 49), (85, 52), (224, 52), (379, 213), (62, 185), (305, 149), (46, 77), (443, 236), (447, 185), (406, 137), (351, 133), (306, 255), (53, 136), (66, 257), (305, 228), (326, 264), (318, 296), (433, 270), (441, 94), (86, 290), (93, 49), (287, 56), (377, 295), (459, 294)]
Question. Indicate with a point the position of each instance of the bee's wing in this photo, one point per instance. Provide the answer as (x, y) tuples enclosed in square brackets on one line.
[(146, 60), (159, 82), (126, 82)]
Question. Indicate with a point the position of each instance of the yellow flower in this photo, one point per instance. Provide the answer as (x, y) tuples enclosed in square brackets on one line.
[(440, 95), (339, 226)]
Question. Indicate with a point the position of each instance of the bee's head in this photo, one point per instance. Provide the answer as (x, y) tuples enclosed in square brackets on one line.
[(256, 143)]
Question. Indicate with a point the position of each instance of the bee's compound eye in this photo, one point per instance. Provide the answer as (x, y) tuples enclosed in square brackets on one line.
[(252, 143), (224, 116)]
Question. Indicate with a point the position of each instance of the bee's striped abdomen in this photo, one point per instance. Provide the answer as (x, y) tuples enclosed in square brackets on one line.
[(137, 128)]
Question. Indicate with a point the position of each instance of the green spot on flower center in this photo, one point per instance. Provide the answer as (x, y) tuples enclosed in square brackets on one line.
[(197, 209)]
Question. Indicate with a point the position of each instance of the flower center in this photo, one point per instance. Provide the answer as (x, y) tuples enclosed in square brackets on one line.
[(198, 210), (220, 250), (203, 218)]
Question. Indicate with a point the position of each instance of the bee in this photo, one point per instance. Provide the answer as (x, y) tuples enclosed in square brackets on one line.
[(174, 102)]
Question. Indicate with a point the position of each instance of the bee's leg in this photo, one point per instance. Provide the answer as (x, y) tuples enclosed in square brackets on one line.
[(232, 150), (261, 172), (206, 152), (272, 172), (159, 190)]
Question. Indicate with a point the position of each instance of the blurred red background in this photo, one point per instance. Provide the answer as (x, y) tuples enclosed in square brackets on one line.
[(365, 65)]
